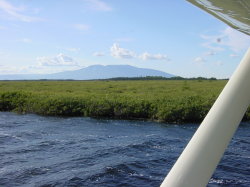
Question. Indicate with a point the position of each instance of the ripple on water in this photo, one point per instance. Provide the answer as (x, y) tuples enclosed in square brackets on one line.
[(47, 151)]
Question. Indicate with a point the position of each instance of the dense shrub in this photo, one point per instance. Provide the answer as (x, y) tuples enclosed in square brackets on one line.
[(168, 101), (14, 101)]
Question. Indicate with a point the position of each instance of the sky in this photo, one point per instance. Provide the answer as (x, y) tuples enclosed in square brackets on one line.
[(40, 37)]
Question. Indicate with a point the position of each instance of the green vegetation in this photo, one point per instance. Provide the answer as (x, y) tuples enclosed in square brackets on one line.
[(172, 101)]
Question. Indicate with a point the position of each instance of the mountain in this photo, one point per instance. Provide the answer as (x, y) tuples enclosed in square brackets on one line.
[(92, 72)]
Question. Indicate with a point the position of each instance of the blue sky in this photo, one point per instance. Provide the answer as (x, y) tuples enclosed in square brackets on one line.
[(171, 36)]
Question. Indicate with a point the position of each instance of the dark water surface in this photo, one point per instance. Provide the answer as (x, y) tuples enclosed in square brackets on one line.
[(50, 151)]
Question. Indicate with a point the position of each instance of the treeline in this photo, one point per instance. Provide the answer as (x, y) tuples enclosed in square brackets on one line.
[(127, 79), (160, 78)]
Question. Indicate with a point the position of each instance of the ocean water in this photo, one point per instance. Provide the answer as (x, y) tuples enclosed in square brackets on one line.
[(51, 151)]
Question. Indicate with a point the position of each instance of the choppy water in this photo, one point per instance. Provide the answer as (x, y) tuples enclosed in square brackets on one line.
[(50, 151)]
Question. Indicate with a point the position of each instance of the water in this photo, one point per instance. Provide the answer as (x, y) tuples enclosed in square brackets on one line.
[(50, 151)]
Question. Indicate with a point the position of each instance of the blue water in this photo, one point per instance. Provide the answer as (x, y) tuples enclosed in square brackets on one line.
[(50, 151)]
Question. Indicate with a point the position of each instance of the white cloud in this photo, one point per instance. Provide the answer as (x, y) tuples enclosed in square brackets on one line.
[(228, 38), (98, 5), (148, 56), (199, 60), (203, 58), (48, 69), (35, 69), (99, 54), (82, 27), (235, 40), (9, 69), (213, 47), (119, 52), (213, 42), (59, 60), (43, 65), (13, 12)]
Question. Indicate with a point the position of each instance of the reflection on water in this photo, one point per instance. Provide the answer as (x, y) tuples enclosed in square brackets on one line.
[(235, 13)]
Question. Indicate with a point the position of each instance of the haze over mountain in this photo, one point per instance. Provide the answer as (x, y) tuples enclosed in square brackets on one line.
[(92, 72)]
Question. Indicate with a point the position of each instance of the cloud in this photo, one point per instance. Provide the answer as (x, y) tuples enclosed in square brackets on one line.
[(35, 69), (227, 38), (199, 60), (212, 43), (99, 54), (9, 69), (235, 40), (148, 56), (203, 58), (119, 52), (43, 65), (59, 60), (213, 47), (16, 13), (82, 27), (47, 69), (98, 5)]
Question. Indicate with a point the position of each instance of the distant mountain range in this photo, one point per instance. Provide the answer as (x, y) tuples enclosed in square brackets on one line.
[(92, 72)]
